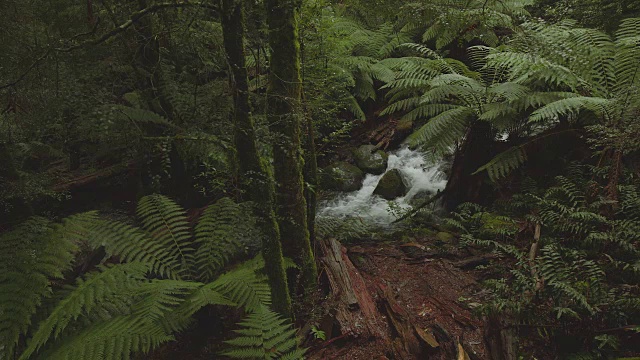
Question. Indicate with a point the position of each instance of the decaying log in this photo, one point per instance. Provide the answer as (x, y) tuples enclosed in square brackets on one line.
[(355, 309), (500, 338), (399, 318), (474, 262), (108, 172)]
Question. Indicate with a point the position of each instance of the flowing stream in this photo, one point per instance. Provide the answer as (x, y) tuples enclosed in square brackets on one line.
[(419, 175)]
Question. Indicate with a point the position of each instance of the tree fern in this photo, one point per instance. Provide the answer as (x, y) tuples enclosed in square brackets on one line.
[(264, 335), (445, 21), (128, 307), (31, 256)]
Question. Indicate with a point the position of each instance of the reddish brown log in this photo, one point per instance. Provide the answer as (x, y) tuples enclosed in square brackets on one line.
[(355, 309)]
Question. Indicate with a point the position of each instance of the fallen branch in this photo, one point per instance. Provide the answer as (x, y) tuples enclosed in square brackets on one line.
[(533, 252), (474, 262)]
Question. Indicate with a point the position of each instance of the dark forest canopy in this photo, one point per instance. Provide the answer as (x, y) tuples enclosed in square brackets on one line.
[(165, 162)]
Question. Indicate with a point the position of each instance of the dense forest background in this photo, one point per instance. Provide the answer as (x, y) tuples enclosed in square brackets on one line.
[(162, 164)]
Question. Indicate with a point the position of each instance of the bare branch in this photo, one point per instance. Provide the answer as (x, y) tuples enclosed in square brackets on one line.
[(136, 16)]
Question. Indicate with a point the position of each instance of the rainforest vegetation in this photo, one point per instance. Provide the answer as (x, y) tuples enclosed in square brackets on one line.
[(203, 179)]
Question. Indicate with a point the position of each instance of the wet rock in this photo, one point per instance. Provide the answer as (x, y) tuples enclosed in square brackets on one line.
[(392, 185), (341, 176), (371, 160), (419, 198)]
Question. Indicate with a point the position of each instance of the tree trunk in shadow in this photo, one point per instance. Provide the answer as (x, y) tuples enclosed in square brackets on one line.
[(256, 181), (284, 114), (477, 149)]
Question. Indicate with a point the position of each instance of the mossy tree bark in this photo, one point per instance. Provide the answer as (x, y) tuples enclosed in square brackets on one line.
[(310, 178), (284, 114), (256, 183)]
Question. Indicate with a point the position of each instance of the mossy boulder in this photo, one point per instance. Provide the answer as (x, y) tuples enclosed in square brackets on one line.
[(392, 185), (341, 176), (371, 160), (445, 237)]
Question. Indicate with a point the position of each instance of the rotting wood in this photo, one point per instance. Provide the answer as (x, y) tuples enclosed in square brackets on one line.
[(475, 261), (355, 309), (111, 171), (401, 321), (500, 338)]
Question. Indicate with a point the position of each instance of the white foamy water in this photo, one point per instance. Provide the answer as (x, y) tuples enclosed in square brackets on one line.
[(419, 175)]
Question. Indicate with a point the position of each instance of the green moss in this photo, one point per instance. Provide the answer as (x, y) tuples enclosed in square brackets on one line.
[(493, 223), (341, 176), (445, 237), (371, 160), (391, 185)]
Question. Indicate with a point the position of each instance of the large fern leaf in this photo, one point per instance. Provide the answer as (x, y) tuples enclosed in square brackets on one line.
[(219, 235), (264, 335), (94, 290), (167, 224), (31, 257)]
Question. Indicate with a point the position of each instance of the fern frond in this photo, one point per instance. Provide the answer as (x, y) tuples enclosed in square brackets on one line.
[(132, 244), (219, 235), (354, 107), (526, 68), (508, 91), (505, 162), (264, 335), (115, 339), (158, 299), (628, 28), (88, 294), (240, 287), (443, 130), (564, 107), (427, 111), (31, 256), (167, 224)]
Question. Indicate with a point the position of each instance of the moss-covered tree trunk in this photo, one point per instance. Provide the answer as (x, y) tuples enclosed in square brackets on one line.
[(284, 114), (310, 177), (256, 181)]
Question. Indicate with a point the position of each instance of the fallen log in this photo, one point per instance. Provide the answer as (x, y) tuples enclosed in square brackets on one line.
[(86, 179), (355, 310), (475, 261)]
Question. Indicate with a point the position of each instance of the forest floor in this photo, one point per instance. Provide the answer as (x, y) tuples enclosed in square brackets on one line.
[(430, 290), (423, 290)]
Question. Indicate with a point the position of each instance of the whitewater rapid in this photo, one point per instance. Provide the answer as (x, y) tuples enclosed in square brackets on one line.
[(419, 175)]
